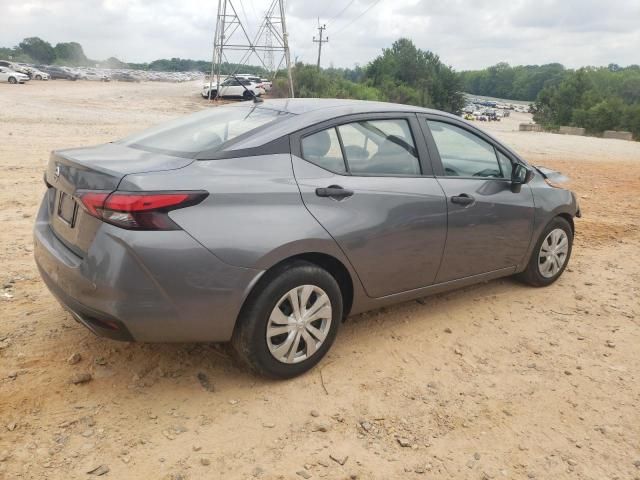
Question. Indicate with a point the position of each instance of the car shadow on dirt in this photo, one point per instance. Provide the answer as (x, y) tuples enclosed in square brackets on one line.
[(211, 367)]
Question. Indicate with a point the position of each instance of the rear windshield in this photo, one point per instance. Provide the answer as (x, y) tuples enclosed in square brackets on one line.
[(204, 131)]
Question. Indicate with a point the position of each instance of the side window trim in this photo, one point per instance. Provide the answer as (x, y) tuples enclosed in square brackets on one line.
[(435, 154), (342, 151), (427, 166)]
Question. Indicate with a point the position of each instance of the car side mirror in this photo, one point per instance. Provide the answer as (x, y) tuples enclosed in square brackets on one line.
[(520, 175)]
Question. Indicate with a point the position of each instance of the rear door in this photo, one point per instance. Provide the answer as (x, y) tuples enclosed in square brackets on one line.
[(229, 88), (489, 225), (368, 181)]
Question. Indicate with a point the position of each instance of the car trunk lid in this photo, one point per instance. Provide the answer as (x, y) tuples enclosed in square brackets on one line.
[(99, 168)]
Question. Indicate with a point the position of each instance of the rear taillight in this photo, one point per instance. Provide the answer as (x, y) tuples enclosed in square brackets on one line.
[(138, 210)]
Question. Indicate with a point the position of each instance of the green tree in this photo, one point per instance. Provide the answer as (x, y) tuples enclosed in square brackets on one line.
[(38, 49), (407, 74), (70, 54), (598, 99), (516, 83)]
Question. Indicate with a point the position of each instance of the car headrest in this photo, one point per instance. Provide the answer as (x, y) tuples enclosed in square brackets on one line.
[(318, 144)]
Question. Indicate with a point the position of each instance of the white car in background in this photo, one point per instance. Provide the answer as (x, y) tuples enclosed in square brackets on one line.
[(36, 74), (266, 84), (95, 76), (238, 87), (8, 75), (257, 80)]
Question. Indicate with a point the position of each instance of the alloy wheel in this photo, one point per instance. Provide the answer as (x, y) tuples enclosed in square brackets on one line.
[(299, 324), (553, 253)]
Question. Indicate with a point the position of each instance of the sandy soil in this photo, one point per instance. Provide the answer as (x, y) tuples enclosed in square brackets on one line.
[(494, 381)]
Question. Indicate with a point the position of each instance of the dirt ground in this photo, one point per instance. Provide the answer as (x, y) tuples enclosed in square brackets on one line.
[(495, 381)]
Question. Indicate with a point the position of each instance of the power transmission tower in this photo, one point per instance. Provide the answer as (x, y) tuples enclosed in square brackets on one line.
[(231, 36), (268, 56), (320, 41)]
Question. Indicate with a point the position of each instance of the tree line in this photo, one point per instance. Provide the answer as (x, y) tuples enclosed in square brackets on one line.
[(71, 54), (403, 73), (596, 98)]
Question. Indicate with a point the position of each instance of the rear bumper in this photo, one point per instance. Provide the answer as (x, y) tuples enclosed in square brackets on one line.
[(143, 286)]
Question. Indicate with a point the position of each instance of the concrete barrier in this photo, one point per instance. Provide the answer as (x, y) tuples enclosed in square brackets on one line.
[(572, 130), (530, 127), (617, 135)]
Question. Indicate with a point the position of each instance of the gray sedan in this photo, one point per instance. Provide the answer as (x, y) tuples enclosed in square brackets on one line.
[(266, 224)]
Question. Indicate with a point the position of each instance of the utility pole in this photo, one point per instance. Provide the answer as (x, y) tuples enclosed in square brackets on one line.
[(320, 41)]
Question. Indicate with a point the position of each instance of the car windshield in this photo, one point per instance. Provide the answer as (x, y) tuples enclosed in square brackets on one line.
[(208, 130)]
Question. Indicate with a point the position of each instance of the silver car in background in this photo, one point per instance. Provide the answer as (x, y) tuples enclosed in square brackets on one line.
[(11, 76), (266, 224)]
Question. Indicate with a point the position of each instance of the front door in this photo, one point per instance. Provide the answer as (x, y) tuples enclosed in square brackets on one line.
[(489, 225), (363, 181)]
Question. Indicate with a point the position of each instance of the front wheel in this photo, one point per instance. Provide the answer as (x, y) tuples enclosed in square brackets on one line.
[(12, 80), (550, 255), (38, 77), (247, 95), (289, 321)]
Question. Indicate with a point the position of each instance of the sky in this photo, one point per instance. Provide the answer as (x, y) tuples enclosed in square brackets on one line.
[(466, 34)]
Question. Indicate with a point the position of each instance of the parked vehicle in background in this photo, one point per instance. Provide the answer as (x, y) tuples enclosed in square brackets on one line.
[(32, 72), (266, 84), (123, 77), (238, 223), (56, 73), (11, 76), (13, 66), (253, 79), (96, 76), (36, 74), (238, 87)]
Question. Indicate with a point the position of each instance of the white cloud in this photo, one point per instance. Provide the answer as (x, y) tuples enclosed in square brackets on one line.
[(465, 33)]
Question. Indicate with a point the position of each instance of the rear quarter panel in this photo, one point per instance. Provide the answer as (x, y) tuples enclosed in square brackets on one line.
[(254, 216)]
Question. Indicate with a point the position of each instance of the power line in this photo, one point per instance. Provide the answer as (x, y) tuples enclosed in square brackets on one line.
[(327, 7), (244, 12), (358, 17), (342, 11)]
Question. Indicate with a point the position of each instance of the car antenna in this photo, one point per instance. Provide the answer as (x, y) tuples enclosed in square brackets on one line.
[(256, 99)]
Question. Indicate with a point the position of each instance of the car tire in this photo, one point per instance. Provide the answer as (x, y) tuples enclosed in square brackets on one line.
[(247, 95), (38, 77), (270, 347), (549, 258), (12, 80)]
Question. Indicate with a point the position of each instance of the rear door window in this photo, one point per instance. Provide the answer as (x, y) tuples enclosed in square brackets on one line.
[(323, 149), (368, 147), (380, 147)]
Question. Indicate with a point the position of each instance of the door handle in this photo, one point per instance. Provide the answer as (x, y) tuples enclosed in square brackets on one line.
[(334, 191), (463, 199)]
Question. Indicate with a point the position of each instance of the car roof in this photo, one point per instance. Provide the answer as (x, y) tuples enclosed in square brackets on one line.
[(306, 112), (333, 107)]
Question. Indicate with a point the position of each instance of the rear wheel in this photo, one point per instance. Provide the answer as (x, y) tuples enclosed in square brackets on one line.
[(13, 80), (550, 255), (289, 321)]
